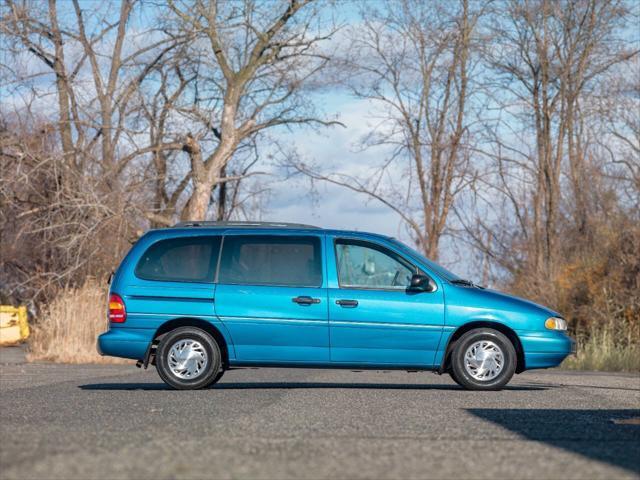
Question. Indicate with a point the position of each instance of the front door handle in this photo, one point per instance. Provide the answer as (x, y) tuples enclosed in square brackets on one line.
[(347, 303), (305, 300)]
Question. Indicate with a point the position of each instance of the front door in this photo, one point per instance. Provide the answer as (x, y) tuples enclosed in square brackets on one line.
[(373, 318), (271, 296)]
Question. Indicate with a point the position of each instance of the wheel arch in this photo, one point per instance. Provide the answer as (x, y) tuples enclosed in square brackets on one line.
[(500, 327), (174, 323)]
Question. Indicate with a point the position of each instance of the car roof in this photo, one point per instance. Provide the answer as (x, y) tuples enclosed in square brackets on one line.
[(184, 228), (239, 224)]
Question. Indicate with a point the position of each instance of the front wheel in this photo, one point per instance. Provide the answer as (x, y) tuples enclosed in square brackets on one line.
[(188, 358), (483, 359)]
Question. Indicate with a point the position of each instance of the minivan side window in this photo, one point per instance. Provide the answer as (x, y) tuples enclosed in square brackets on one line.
[(190, 259), (369, 266), (271, 260)]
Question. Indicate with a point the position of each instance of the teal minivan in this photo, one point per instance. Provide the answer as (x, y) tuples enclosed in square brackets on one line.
[(201, 297)]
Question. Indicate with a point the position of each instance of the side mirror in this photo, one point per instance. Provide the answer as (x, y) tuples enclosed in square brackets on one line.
[(421, 283)]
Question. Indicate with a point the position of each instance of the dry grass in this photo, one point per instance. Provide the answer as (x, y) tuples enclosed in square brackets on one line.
[(603, 350), (66, 331)]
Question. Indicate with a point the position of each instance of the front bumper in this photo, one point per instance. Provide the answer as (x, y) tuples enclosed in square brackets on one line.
[(125, 342), (545, 349)]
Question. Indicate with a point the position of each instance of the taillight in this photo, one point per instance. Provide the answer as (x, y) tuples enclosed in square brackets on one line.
[(117, 312)]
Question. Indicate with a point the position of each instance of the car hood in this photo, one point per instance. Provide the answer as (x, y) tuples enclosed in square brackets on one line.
[(489, 304), (515, 301)]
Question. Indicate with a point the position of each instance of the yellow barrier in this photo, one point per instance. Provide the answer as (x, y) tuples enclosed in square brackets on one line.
[(14, 326)]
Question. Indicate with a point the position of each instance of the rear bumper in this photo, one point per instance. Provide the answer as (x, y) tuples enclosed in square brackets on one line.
[(545, 349), (125, 342)]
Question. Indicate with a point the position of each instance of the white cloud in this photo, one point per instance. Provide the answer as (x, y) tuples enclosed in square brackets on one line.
[(336, 149), (334, 207)]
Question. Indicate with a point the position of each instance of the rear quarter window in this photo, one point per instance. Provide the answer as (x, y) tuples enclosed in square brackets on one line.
[(190, 259), (271, 260)]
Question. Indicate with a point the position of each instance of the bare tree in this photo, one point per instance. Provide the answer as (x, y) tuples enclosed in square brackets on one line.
[(58, 224), (167, 103), (413, 61), (589, 46), (37, 29), (618, 103), (251, 61), (548, 56), (142, 113), (116, 64), (78, 188)]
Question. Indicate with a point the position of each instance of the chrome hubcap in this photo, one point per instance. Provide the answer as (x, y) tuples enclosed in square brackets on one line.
[(483, 360), (187, 359)]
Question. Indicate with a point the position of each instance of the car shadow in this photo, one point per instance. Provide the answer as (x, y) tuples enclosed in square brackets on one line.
[(598, 387), (341, 385), (299, 385), (603, 435)]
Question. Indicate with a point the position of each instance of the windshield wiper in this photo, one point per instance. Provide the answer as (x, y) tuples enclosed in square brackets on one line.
[(464, 282), (461, 281)]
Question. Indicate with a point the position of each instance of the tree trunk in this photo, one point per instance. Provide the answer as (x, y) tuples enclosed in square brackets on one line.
[(62, 85), (198, 204), (222, 196)]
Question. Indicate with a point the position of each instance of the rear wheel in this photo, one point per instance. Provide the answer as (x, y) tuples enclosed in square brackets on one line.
[(483, 359), (455, 379), (188, 358)]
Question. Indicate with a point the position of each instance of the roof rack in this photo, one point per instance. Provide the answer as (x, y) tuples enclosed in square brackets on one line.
[(242, 224)]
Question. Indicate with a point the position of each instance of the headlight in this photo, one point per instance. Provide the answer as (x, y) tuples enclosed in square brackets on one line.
[(555, 323)]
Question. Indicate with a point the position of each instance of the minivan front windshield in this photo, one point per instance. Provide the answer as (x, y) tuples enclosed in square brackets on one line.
[(441, 271)]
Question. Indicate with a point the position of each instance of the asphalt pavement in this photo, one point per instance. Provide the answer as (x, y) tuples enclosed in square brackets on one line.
[(92, 421)]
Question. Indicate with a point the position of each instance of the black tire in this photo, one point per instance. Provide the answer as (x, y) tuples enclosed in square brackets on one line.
[(459, 372), (455, 379), (217, 377), (209, 372)]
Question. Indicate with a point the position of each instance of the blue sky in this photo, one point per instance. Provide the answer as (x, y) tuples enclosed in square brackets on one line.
[(330, 206), (333, 147)]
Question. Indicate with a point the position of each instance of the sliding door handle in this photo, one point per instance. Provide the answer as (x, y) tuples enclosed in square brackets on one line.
[(347, 303), (305, 300)]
